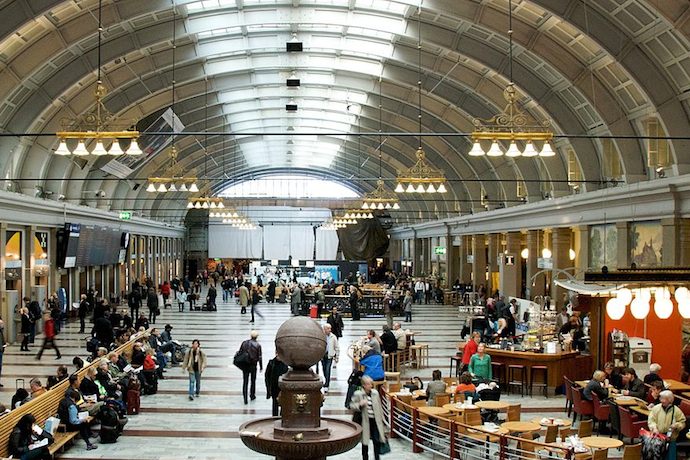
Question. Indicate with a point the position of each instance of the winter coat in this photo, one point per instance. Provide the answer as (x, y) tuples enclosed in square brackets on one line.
[(355, 403)]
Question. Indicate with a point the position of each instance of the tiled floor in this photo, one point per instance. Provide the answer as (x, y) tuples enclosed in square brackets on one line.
[(172, 427)]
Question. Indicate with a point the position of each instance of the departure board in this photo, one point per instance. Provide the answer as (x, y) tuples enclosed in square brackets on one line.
[(89, 245)]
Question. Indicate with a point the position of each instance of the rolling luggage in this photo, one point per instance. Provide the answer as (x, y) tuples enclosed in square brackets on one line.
[(133, 401)]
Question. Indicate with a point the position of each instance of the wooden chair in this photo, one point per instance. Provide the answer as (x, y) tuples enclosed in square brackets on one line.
[(449, 381), (394, 387), (513, 413), (405, 399), (526, 446), (585, 428), (551, 434), (600, 454), (632, 452), (442, 399), (458, 397), (472, 417), (565, 432), (392, 377)]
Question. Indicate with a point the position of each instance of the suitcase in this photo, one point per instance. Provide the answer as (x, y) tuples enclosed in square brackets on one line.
[(16, 384), (313, 311), (133, 402)]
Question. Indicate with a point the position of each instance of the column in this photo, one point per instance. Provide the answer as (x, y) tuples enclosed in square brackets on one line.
[(5, 309), (623, 250), (494, 248), (534, 282), (581, 248), (479, 262), (465, 268), (452, 255), (511, 272), (416, 253), (670, 235), (561, 240), (684, 242)]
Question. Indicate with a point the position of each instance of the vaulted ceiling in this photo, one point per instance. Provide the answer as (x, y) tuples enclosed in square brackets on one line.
[(592, 67)]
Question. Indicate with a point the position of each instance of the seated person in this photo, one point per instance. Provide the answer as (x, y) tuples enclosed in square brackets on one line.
[(36, 387), (105, 379), (20, 397), (596, 386), (654, 391), (466, 387), (168, 345), (653, 375), (388, 341), (613, 376), (632, 385), (3, 410), (373, 363), (68, 413), (435, 386), (93, 408), (78, 363), (23, 438), (90, 387)]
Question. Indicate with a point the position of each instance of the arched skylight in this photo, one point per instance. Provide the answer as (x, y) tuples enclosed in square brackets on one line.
[(288, 186)]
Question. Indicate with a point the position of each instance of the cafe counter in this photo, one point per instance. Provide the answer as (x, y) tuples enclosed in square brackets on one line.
[(570, 363)]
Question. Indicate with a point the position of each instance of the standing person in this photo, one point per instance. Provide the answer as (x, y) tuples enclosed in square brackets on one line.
[(256, 298), (3, 345), (480, 364), (225, 285), (354, 303), (666, 418), (152, 304), (134, 301), (244, 298), (335, 319), (407, 306), (181, 299), (49, 334), (194, 363), (271, 291), (165, 290), (55, 311), (368, 403), (419, 291), (331, 355), (274, 369), (296, 300), (253, 349), (470, 349), (83, 310), (34, 316), (26, 328)]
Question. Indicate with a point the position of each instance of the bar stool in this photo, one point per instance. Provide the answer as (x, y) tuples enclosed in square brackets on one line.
[(392, 377), (420, 352), (539, 371), (517, 373), (498, 371)]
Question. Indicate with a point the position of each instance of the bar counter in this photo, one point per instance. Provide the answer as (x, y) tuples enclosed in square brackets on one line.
[(570, 363)]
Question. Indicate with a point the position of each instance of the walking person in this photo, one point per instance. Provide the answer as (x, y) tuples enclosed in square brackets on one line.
[(211, 298), (194, 363), (407, 306), (274, 369), (331, 355), (134, 302), (152, 304), (354, 303), (367, 403), (226, 286), (49, 334), (296, 300), (253, 349), (256, 298), (83, 311), (335, 319), (26, 328), (181, 299), (244, 298)]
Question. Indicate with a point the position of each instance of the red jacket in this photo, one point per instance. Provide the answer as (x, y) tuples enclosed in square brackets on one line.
[(49, 329), (468, 351), (165, 289)]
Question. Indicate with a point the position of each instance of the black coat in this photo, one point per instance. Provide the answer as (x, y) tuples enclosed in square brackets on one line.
[(389, 342), (103, 331), (336, 322), (19, 442), (26, 324), (274, 369)]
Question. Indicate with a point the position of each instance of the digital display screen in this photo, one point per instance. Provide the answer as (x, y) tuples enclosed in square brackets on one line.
[(88, 245)]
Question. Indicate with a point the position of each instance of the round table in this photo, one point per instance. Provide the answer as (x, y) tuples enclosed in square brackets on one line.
[(601, 442), (521, 427), (481, 428), (432, 410), (564, 422), (492, 405), (453, 407), (418, 393)]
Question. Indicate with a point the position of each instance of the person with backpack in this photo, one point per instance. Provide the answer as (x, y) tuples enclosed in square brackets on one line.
[(253, 349), (194, 363), (68, 412), (49, 334)]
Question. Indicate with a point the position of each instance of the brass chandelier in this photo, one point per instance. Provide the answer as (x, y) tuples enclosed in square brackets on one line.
[(421, 177), (95, 121), (512, 124)]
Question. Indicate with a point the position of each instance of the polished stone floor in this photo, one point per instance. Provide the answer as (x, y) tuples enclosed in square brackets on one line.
[(172, 427)]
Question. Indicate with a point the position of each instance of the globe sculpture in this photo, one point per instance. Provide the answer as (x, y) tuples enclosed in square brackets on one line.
[(300, 432)]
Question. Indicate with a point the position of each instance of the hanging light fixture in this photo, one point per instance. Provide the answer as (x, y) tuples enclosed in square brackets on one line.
[(95, 121), (615, 308), (512, 124), (421, 174)]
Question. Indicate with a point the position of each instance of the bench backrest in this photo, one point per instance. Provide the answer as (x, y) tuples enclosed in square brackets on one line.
[(46, 405)]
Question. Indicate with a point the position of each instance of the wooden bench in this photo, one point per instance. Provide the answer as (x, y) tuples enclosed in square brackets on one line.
[(46, 406), (62, 440)]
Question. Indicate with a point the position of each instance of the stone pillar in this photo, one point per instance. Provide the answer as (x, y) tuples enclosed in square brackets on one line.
[(416, 253), (6, 309), (561, 240), (623, 252), (465, 268), (581, 248), (670, 235), (684, 242), (511, 270), (479, 264), (534, 282), (494, 248), (451, 260)]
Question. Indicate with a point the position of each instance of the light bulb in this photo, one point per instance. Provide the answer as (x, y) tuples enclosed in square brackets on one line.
[(399, 188), (62, 149), (639, 308), (524, 253), (477, 150), (172, 188), (183, 187), (663, 308), (162, 188), (134, 148), (193, 188), (115, 149), (615, 309), (495, 150), (547, 151), (681, 294), (396, 205), (151, 187), (409, 189), (431, 189), (529, 151), (80, 150), (441, 189), (625, 296), (99, 150), (572, 255), (420, 189), (513, 150)]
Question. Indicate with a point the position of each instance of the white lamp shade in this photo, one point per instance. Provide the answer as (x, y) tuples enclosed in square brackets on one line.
[(197, 205), (221, 205), (524, 253), (388, 206), (477, 150), (62, 149), (639, 308), (190, 205), (213, 205), (684, 308), (151, 187), (625, 296), (513, 150), (615, 309), (547, 151), (365, 205), (663, 308), (115, 149), (682, 293), (193, 188), (399, 188), (572, 255), (162, 188), (134, 148), (370, 216), (80, 150), (529, 151), (431, 189), (420, 189), (409, 189), (183, 188), (397, 206), (495, 150), (172, 188), (546, 253), (441, 189), (205, 205), (99, 149)]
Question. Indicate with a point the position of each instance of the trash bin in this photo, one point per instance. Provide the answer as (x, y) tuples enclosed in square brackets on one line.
[(313, 311)]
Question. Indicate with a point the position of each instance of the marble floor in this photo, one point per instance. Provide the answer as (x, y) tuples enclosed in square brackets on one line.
[(172, 427)]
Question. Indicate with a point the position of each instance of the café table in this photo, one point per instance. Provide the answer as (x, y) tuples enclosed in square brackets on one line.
[(628, 401), (492, 405), (521, 427), (484, 429), (577, 455), (419, 394), (601, 442), (563, 422), (640, 410), (455, 407), (581, 383), (675, 385), (433, 410)]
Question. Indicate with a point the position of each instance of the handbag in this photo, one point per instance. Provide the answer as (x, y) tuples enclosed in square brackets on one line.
[(241, 359), (654, 445), (384, 448)]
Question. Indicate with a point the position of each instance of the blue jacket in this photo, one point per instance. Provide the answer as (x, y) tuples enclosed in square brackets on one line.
[(373, 366)]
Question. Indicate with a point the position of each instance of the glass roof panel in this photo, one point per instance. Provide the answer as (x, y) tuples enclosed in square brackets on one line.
[(288, 186)]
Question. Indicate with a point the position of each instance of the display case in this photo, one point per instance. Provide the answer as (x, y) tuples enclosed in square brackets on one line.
[(619, 348), (541, 326)]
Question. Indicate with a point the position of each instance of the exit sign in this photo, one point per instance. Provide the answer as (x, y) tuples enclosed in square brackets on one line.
[(439, 250), (125, 215)]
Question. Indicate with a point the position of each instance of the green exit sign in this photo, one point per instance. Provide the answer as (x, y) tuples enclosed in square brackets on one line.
[(439, 250), (125, 215)]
